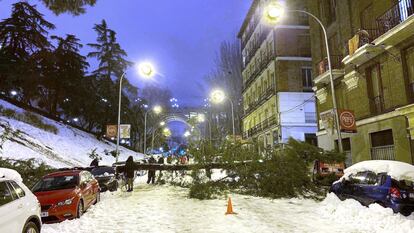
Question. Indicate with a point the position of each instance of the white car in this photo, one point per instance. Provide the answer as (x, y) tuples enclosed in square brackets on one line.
[(19, 208)]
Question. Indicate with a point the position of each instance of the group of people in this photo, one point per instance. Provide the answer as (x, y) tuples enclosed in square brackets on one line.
[(130, 168)]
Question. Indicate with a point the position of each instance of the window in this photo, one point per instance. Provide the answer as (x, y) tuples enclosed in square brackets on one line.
[(311, 139), (307, 79), (359, 178), (375, 90), (409, 66), (382, 138), (5, 194), (20, 192)]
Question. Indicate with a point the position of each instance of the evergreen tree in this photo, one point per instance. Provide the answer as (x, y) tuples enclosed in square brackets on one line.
[(112, 64), (75, 7), (22, 36)]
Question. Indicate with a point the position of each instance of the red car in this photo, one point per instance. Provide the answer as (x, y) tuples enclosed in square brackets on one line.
[(66, 194)]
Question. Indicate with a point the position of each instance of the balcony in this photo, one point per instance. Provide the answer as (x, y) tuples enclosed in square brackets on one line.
[(323, 69), (392, 27), (383, 153), (267, 123), (256, 46), (260, 101), (263, 63)]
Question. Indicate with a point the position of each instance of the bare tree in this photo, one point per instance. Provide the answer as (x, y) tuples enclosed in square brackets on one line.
[(227, 76)]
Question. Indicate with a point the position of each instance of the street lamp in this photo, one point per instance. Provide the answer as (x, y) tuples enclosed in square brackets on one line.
[(202, 118), (146, 70), (218, 96), (157, 110), (187, 134), (273, 12)]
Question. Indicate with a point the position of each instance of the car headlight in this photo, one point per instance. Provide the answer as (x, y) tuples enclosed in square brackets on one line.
[(65, 202)]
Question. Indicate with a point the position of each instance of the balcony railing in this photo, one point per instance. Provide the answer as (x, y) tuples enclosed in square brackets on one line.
[(264, 62), (398, 13), (269, 122), (256, 46), (258, 102), (310, 117), (383, 153), (395, 15), (336, 62)]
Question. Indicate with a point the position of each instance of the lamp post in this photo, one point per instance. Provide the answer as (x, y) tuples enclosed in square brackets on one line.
[(162, 123), (146, 70), (274, 12), (202, 118), (218, 96), (157, 110)]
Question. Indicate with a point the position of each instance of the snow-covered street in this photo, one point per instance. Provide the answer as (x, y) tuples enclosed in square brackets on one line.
[(167, 209)]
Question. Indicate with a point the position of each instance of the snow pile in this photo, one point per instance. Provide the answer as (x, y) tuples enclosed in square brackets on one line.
[(68, 147), (10, 174), (397, 170), (374, 218)]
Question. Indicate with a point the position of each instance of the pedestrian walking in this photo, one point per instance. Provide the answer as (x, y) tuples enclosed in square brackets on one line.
[(129, 173), (151, 172)]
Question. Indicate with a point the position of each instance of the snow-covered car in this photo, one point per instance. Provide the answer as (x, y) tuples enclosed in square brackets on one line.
[(19, 208), (105, 175), (387, 183)]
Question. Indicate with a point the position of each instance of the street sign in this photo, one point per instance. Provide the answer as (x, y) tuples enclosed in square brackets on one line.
[(347, 121), (112, 131)]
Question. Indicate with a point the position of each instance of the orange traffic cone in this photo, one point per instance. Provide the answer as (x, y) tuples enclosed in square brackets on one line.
[(230, 208)]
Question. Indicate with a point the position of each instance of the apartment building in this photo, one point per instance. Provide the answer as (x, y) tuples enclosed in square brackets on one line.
[(372, 48), (278, 100)]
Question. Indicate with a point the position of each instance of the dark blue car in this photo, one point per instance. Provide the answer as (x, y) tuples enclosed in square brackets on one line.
[(368, 188)]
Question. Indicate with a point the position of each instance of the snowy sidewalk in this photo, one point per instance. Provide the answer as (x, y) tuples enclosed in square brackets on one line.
[(167, 209)]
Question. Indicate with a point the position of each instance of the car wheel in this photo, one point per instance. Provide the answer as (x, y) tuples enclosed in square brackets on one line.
[(80, 209), (98, 198), (30, 227)]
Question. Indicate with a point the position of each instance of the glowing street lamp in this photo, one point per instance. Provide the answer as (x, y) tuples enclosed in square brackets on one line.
[(187, 134), (157, 110), (218, 96), (162, 123), (202, 118), (13, 93), (273, 12), (145, 70)]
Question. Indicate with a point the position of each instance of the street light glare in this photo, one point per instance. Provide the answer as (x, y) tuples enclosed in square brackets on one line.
[(146, 69), (157, 109), (201, 118), (274, 12), (162, 123), (217, 96), (187, 134)]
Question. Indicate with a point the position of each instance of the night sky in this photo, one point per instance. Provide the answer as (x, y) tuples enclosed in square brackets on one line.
[(181, 37)]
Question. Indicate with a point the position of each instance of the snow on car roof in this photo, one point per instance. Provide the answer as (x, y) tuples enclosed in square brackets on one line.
[(10, 174), (397, 170)]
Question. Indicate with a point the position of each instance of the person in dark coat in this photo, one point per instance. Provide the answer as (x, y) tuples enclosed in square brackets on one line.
[(151, 172), (130, 173), (95, 162)]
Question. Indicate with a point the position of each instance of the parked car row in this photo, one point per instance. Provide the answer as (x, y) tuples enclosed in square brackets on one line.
[(58, 196)]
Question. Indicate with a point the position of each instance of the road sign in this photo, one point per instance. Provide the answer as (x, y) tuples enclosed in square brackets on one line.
[(112, 131), (347, 121)]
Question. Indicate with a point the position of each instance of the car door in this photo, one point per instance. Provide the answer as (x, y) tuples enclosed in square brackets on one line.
[(11, 209), (357, 182), (87, 188)]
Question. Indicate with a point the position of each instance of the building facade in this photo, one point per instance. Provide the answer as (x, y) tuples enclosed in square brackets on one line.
[(372, 51), (278, 100)]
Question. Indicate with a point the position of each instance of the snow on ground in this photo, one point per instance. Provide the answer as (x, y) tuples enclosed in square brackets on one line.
[(167, 209), (69, 147)]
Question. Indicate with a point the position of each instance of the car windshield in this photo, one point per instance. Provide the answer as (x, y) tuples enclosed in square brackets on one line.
[(103, 171), (56, 183)]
